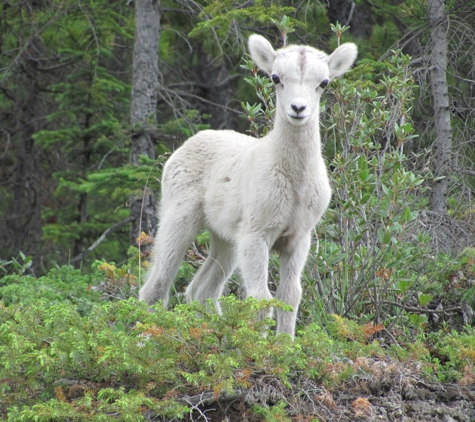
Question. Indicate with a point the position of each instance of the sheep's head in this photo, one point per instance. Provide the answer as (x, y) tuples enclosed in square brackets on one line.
[(300, 73)]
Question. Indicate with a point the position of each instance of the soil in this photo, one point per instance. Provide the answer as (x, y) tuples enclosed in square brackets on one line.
[(386, 391)]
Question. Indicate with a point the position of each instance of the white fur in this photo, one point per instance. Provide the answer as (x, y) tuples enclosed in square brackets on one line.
[(253, 195)]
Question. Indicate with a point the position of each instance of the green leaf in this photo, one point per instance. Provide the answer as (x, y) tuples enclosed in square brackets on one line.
[(403, 285), (337, 258), (424, 299), (417, 319), (406, 215), (365, 198)]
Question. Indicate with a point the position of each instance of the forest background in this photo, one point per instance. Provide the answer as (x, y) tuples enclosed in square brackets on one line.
[(94, 94), (68, 134)]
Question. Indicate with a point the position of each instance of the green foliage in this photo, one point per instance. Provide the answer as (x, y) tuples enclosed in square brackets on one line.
[(124, 359), (61, 350), (59, 285), (18, 265), (338, 30), (273, 413), (86, 101), (219, 16), (370, 243), (384, 36), (260, 115), (67, 354), (82, 357), (185, 126), (462, 268), (285, 26), (105, 281), (89, 128), (452, 356)]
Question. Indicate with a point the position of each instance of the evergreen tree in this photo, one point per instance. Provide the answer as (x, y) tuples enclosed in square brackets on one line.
[(68, 163)]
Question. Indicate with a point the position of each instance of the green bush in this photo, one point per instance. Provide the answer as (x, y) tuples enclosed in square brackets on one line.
[(62, 284), (116, 360), (123, 360)]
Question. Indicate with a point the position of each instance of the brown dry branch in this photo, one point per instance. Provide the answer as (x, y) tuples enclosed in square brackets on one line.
[(422, 310)]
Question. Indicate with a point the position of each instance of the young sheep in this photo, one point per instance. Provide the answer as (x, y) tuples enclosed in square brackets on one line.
[(252, 195)]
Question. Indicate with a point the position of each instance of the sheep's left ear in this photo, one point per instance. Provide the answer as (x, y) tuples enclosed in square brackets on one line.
[(341, 59), (262, 53)]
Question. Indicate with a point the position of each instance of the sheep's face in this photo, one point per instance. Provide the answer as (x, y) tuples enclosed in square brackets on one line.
[(300, 74)]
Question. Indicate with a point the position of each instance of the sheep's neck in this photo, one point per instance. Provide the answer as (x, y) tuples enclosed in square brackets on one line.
[(297, 147)]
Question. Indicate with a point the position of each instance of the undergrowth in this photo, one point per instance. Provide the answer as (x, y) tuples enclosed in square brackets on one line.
[(69, 352)]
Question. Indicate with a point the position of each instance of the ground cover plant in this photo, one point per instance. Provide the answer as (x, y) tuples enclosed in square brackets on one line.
[(72, 347)]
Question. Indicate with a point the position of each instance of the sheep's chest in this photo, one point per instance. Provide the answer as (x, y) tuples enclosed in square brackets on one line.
[(301, 205), (310, 203)]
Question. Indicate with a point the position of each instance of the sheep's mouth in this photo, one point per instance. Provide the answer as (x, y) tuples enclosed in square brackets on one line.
[(297, 119)]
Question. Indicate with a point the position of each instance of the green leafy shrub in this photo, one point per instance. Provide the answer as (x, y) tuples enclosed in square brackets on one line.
[(370, 249), (275, 413), (451, 356), (123, 360), (260, 115), (67, 352), (61, 285)]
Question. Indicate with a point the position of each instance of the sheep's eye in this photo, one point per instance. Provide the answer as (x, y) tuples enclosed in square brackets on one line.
[(275, 79), (324, 83)]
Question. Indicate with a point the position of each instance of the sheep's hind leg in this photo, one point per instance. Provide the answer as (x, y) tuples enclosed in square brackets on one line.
[(211, 278), (289, 290), (176, 232)]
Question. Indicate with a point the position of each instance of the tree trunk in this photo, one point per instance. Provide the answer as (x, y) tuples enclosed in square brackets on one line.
[(25, 219), (143, 111), (443, 131), (215, 76), (348, 13)]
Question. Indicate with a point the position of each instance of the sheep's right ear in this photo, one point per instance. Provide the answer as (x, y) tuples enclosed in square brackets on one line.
[(262, 53)]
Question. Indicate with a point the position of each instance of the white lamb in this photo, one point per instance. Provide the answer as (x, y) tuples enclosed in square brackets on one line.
[(252, 195)]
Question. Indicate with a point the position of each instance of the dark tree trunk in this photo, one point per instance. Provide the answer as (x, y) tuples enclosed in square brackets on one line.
[(348, 13), (25, 219), (143, 111), (215, 79), (79, 244)]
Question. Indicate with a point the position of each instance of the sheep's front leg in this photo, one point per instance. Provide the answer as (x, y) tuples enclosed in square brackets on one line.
[(292, 262), (253, 255)]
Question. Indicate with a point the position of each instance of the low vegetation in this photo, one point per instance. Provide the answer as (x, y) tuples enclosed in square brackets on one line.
[(72, 347)]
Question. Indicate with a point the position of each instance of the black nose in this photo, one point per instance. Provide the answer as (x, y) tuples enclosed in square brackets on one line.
[(298, 108)]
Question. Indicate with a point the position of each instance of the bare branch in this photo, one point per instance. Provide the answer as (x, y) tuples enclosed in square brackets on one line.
[(101, 238), (205, 86), (8, 144), (203, 100), (421, 310)]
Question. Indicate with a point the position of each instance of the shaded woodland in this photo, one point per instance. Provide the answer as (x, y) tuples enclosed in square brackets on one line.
[(77, 153)]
